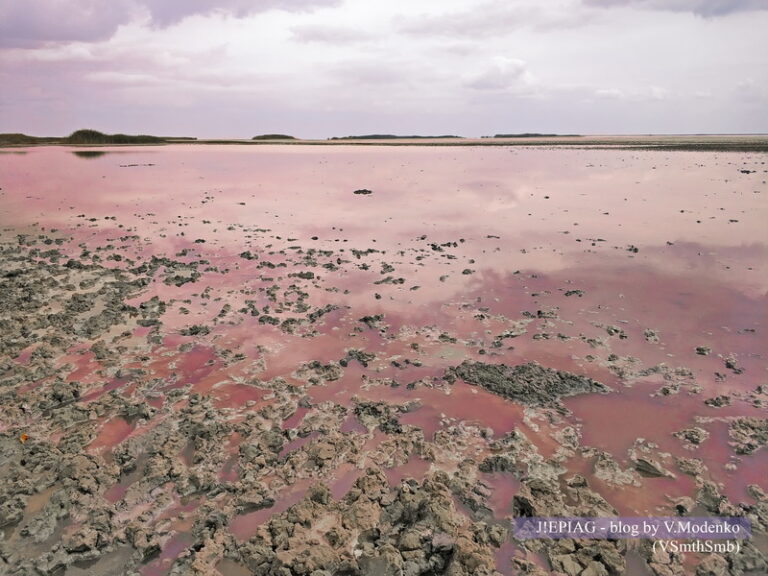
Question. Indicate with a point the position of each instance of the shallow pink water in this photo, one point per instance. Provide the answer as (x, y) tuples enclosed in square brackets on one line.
[(529, 225)]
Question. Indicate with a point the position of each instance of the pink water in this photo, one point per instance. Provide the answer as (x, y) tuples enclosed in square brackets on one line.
[(528, 226)]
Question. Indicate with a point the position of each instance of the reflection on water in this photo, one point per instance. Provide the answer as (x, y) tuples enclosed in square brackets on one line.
[(88, 153), (617, 265)]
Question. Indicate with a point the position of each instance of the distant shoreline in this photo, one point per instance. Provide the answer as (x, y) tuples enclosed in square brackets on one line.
[(694, 142)]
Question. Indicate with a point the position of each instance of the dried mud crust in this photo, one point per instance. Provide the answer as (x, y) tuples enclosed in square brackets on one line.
[(54, 304), (194, 482), (413, 528)]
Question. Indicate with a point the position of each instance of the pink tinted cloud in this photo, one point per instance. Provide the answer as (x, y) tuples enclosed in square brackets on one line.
[(168, 12), (33, 23), (706, 8)]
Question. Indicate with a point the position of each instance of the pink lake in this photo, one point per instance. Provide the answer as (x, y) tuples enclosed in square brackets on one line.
[(576, 255)]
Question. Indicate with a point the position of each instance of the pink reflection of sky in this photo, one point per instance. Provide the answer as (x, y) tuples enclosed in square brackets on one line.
[(444, 193), (703, 289), (546, 207)]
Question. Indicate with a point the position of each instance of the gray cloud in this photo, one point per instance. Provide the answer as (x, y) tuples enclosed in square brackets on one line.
[(329, 34), (168, 12), (610, 94), (368, 73), (34, 22), (464, 67), (490, 18), (706, 8), (503, 74), (31, 23)]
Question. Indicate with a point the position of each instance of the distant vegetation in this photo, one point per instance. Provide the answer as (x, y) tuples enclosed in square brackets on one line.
[(22, 140), (96, 137), (533, 135), (387, 137), (693, 142), (273, 137), (82, 137)]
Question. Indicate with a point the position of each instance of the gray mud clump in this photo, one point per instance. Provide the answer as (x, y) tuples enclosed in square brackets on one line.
[(411, 529), (748, 434), (529, 384)]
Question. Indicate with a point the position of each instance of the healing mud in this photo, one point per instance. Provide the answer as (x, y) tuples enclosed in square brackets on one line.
[(313, 361)]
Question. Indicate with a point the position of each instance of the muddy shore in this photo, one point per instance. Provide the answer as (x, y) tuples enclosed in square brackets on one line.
[(659, 142), (306, 361)]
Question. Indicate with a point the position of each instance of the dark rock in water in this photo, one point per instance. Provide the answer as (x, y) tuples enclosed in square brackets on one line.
[(363, 191), (530, 384)]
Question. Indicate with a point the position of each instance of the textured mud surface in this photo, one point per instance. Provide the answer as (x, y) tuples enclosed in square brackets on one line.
[(300, 361)]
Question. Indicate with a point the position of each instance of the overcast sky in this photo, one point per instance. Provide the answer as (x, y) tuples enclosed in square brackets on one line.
[(321, 68)]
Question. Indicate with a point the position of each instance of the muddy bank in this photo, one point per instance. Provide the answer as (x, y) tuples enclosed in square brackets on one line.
[(215, 383)]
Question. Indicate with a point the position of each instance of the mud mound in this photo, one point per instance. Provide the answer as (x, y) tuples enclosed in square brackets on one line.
[(529, 384)]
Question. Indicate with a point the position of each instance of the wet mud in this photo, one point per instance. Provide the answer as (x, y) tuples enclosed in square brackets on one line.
[(309, 361)]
